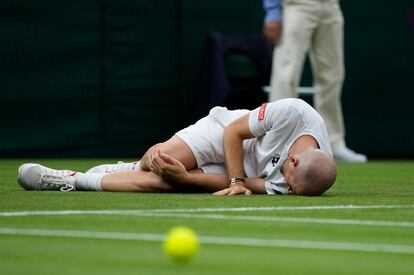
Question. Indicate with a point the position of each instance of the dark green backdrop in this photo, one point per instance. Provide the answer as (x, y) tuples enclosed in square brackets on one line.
[(112, 77)]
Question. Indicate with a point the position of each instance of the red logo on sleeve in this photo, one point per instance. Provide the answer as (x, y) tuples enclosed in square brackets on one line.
[(262, 111)]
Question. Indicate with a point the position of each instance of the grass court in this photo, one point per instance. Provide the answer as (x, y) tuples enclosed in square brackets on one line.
[(363, 225)]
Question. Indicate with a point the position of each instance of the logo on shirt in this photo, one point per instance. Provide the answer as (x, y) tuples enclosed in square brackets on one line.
[(262, 111), (275, 160)]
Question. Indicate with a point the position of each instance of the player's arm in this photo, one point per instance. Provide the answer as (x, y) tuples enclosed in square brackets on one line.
[(251, 185), (234, 134), (214, 182), (173, 170), (255, 124)]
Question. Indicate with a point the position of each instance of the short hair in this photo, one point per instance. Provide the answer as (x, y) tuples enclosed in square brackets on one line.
[(316, 172)]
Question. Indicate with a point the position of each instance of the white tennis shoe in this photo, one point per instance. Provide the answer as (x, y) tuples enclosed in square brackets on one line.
[(342, 153), (33, 176), (114, 168)]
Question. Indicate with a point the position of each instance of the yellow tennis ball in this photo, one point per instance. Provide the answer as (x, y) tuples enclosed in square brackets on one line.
[(181, 244)]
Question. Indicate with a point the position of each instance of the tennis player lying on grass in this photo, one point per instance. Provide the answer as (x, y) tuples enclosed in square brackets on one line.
[(279, 148)]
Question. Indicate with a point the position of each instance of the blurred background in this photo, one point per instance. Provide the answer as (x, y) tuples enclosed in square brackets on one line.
[(112, 77)]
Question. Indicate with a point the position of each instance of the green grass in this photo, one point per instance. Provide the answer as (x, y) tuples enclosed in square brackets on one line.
[(377, 183)]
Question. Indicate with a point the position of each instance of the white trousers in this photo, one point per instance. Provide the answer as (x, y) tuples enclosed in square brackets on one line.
[(314, 26)]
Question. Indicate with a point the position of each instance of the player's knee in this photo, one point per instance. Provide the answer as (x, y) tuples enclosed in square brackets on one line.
[(168, 147)]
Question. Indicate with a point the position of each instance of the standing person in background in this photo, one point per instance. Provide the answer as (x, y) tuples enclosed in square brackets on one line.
[(296, 27)]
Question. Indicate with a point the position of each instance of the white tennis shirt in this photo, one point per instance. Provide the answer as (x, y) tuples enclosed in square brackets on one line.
[(277, 125)]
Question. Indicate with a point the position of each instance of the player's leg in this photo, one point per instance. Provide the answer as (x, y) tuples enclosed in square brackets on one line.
[(120, 166), (193, 146), (32, 176), (174, 147), (147, 181)]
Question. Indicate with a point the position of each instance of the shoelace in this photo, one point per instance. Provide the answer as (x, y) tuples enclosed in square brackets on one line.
[(58, 181)]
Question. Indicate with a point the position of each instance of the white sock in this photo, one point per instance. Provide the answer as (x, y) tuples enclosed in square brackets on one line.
[(88, 182)]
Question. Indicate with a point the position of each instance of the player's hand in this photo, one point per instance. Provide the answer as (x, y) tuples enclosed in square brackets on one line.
[(148, 158), (272, 31), (237, 189), (168, 168)]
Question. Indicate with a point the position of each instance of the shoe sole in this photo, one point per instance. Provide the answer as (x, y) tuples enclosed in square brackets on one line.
[(22, 170)]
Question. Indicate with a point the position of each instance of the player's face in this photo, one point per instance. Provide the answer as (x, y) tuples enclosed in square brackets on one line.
[(293, 185), (288, 171)]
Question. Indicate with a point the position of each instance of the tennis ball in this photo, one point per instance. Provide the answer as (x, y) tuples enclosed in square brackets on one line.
[(181, 244)]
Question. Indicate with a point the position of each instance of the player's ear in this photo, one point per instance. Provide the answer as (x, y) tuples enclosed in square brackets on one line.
[(295, 160)]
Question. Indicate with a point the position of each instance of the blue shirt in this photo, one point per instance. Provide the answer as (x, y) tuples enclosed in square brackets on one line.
[(273, 10)]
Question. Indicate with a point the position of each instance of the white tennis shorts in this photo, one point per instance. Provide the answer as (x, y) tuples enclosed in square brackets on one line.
[(205, 139)]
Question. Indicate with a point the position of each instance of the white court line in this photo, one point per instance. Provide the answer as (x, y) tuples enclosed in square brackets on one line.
[(283, 219), (195, 210), (249, 242), (179, 213)]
